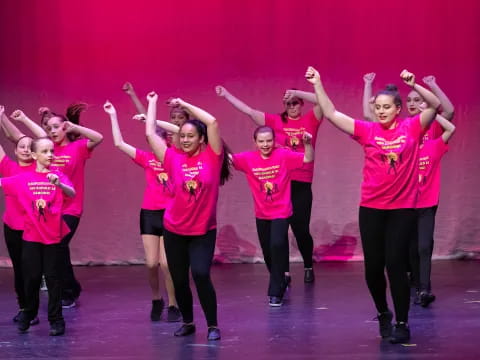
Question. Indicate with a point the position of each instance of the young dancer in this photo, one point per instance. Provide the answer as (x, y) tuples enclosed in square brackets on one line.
[(197, 170), (389, 192), (289, 128), (268, 171), (40, 194), (158, 193)]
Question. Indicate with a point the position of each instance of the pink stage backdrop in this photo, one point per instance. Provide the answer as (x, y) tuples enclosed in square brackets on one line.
[(57, 52)]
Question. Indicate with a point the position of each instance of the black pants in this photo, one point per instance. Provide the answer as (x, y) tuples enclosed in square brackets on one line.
[(301, 195), (273, 236), (385, 242), (422, 247), (13, 240), (70, 286), (195, 252), (38, 259)]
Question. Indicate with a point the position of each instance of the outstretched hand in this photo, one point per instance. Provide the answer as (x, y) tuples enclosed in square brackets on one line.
[(408, 78), (109, 108), (312, 75)]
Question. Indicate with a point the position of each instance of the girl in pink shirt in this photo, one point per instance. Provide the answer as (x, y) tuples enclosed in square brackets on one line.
[(269, 171), (158, 193), (421, 245), (289, 127), (197, 169), (70, 158), (389, 189), (41, 193)]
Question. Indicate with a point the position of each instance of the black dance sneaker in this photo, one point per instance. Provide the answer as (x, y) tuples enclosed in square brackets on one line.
[(213, 334), (426, 298), (23, 322), (68, 303), (185, 330), (57, 328), (17, 317), (385, 324), (157, 309), (400, 334), (309, 276), (275, 301), (416, 297), (35, 321), (173, 314)]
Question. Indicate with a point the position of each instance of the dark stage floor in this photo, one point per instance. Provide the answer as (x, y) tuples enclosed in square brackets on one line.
[(331, 319)]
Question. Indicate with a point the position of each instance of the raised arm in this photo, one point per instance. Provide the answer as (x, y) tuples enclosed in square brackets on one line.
[(448, 128), (432, 102), (368, 113), (94, 137), (165, 125), (2, 113), (128, 88), (307, 96), (309, 154), (447, 107), (341, 121), (157, 144), (257, 116), (213, 131), (116, 133), (36, 129)]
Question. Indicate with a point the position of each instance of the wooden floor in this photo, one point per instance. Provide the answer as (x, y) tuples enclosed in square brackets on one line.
[(331, 319)]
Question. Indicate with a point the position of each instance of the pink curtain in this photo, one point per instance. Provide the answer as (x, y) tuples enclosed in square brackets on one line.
[(57, 52)]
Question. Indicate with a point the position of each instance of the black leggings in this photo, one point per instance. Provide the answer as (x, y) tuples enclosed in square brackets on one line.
[(13, 240), (273, 236), (422, 247), (301, 195), (38, 259), (70, 286), (385, 241), (195, 252)]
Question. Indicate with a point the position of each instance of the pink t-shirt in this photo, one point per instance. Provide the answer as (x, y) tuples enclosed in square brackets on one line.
[(70, 159), (390, 172), (13, 216), (42, 204), (290, 133), (433, 131), (159, 190), (269, 180), (431, 152), (195, 180)]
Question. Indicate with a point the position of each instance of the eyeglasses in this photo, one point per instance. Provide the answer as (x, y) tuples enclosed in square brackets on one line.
[(292, 103)]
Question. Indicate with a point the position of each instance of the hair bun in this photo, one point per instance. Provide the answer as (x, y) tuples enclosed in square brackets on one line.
[(391, 87)]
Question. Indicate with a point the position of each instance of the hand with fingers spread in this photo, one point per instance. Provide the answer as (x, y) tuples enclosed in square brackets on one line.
[(109, 108), (408, 78), (369, 77), (312, 75)]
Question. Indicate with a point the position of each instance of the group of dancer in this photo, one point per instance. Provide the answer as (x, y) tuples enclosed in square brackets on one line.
[(188, 162)]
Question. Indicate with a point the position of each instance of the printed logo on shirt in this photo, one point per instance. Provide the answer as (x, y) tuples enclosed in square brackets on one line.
[(41, 205), (268, 172), (163, 180), (270, 189), (192, 187), (294, 136), (155, 165), (61, 160), (393, 151), (41, 188)]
